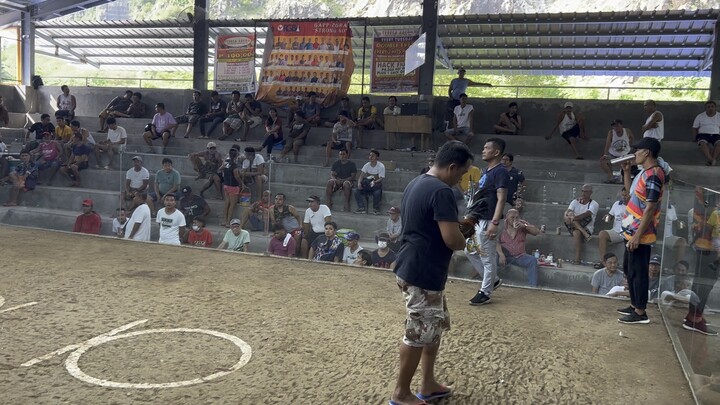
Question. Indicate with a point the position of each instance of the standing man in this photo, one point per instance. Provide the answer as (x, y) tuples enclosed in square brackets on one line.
[(617, 144), (706, 129), (431, 233), (640, 226), (654, 123), (459, 86), (571, 126), (172, 222), (138, 227), (481, 249)]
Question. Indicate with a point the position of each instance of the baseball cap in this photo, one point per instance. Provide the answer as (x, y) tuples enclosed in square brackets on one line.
[(88, 202), (46, 133), (298, 98), (211, 145), (651, 144), (352, 236), (313, 198), (655, 259), (187, 190), (586, 187), (394, 210), (384, 236), (137, 158), (343, 114), (235, 221), (568, 104), (616, 121)]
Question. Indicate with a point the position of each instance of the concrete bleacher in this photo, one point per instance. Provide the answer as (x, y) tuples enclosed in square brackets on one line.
[(551, 173)]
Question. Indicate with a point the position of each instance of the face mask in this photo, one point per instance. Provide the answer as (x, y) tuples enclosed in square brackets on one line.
[(196, 228), (382, 244)]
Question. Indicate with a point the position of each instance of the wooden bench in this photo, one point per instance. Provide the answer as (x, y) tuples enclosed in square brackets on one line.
[(411, 124)]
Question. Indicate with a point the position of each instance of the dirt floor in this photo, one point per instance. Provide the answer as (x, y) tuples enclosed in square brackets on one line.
[(318, 333)]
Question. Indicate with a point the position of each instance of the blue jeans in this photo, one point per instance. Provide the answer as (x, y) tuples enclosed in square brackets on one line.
[(215, 121), (376, 193), (530, 263)]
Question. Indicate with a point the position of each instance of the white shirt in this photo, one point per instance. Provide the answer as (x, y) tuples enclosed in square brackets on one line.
[(707, 125), (259, 160), (394, 227), (136, 177), (3, 149), (116, 226), (657, 133), (392, 111), (378, 170), (567, 123), (618, 212), (670, 217), (115, 135), (619, 145), (580, 209), (141, 216), (462, 114), (349, 257), (316, 219), (170, 226)]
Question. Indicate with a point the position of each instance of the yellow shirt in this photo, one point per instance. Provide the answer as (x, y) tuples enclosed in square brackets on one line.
[(473, 175), (65, 133)]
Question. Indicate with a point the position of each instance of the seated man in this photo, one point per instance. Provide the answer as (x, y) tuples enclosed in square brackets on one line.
[(370, 183), (251, 115), (706, 129), (617, 144), (119, 103), (192, 205), (612, 236), (298, 135), (580, 219), (215, 116), (50, 152), (207, 161), (253, 170), (327, 247), (367, 119), (116, 139), (199, 236), (137, 178), (341, 137), (192, 115), (4, 113), (352, 248), (258, 213), (462, 122), (167, 181), (394, 228), (671, 240), (162, 126), (287, 216), (511, 249), (311, 108), (23, 178), (342, 177), (316, 216), (120, 222), (34, 135), (516, 184), (63, 132), (89, 221), (343, 106), (282, 243), (236, 239), (78, 161), (656, 286), (605, 279), (383, 257), (136, 109), (571, 126), (510, 122), (364, 258), (66, 104)]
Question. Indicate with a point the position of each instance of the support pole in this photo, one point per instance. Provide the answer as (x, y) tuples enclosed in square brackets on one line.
[(715, 69), (430, 28), (201, 38), (27, 45)]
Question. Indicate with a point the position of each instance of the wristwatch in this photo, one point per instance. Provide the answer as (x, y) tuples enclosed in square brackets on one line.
[(495, 222)]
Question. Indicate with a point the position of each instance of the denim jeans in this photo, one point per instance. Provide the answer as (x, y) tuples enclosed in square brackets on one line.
[(484, 263), (530, 263), (376, 195), (215, 121)]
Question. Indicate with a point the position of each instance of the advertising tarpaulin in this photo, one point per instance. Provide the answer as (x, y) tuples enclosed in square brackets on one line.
[(235, 63), (387, 72), (307, 56)]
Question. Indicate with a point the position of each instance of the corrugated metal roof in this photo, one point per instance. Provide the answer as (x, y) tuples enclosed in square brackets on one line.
[(677, 43)]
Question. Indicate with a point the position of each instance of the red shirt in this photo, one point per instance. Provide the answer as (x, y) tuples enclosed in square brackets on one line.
[(275, 247), (88, 223), (200, 239), (516, 246)]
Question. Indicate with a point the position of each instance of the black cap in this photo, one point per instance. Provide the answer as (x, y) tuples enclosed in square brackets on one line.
[(214, 93), (249, 149), (651, 144), (313, 198)]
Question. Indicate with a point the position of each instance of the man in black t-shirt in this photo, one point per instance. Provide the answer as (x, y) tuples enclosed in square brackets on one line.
[(431, 233), (38, 128), (383, 257), (481, 247), (342, 177)]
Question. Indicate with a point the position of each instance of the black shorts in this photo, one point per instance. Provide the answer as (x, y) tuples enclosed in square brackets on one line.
[(339, 146), (573, 132), (81, 166), (311, 236), (712, 139)]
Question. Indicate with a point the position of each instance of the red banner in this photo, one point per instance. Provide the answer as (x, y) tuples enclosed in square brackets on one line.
[(301, 57)]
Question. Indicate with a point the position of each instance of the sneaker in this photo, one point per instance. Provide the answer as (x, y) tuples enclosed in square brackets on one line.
[(626, 311), (479, 299), (497, 284), (699, 327), (360, 211), (377, 212), (634, 318)]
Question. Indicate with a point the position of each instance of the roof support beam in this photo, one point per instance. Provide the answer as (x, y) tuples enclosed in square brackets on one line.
[(201, 36), (81, 57), (715, 71), (50, 9), (598, 47), (583, 34)]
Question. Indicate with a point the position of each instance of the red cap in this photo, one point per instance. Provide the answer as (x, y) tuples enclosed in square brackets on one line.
[(88, 201)]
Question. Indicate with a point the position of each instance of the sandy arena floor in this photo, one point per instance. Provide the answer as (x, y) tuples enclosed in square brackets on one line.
[(318, 333)]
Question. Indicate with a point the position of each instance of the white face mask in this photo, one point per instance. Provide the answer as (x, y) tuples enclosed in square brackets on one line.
[(382, 244), (196, 228)]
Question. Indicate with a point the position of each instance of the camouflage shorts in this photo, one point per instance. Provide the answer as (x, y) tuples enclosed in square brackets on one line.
[(427, 315)]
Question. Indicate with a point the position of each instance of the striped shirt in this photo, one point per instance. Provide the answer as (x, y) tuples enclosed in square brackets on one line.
[(647, 187)]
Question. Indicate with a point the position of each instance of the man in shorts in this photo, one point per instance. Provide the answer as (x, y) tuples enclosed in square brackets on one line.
[(341, 137), (706, 129), (462, 122), (116, 139), (571, 126), (342, 177), (233, 121), (80, 153), (297, 137), (613, 236), (579, 219), (430, 233), (192, 115), (162, 127)]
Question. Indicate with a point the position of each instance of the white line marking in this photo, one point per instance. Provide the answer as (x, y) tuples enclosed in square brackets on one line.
[(78, 345), (29, 304), (71, 364)]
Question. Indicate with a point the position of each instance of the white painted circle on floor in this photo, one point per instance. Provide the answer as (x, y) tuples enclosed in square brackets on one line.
[(71, 364)]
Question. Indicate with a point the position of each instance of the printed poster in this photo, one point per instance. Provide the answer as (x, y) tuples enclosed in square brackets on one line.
[(301, 57), (387, 72), (235, 63)]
